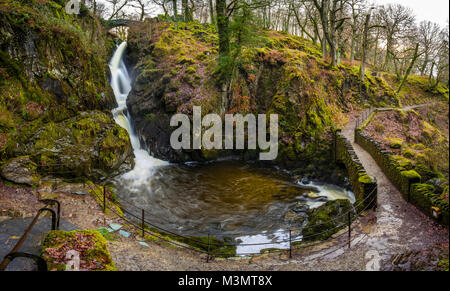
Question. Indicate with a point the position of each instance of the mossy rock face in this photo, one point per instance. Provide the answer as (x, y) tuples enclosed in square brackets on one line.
[(89, 244), (395, 143), (328, 219), (411, 175), (403, 163), (91, 145), (409, 153), (425, 172), (20, 170)]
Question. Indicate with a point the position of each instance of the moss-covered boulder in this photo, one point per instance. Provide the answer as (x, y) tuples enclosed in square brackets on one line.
[(328, 219), (90, 247), (90, 145), (20, 170), (395, 143)]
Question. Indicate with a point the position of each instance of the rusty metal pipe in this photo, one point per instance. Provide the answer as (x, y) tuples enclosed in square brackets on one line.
[(19, 244), (55, 224)]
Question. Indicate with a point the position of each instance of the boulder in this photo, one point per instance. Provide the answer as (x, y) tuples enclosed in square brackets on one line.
[(300, 208), (89, 145), (295, 218), (20, 170), (46, 191), (328, 219), (306, 181), (297, 215)]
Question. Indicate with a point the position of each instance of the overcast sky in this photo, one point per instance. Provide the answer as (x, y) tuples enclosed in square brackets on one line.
[(433, 10)]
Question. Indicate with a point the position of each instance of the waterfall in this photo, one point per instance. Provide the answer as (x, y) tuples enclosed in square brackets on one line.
[(121, 85)]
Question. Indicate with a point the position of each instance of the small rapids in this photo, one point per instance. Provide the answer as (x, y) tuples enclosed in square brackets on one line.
[(245, 201)]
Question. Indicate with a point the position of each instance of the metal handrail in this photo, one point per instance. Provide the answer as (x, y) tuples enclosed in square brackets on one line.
[(42, 266)]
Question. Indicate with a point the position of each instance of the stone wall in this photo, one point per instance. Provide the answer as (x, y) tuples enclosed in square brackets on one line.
[(364, 186), (407, 182)]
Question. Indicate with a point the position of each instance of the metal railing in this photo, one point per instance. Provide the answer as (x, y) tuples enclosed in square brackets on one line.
[(41, 263), (364, 116), (141, 223)]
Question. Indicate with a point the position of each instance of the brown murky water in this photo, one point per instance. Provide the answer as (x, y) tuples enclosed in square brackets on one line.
[(227, 198)]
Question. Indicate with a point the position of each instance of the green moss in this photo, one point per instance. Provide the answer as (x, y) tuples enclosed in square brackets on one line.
[(365, 179), (191, 70), (425, 172), (411, 175), (111, 199), (395, 143), (326, 220), (409, 153), (403, 162), (95, 253), (6, 118)]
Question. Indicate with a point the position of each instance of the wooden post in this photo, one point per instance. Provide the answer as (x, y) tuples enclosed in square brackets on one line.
[(349, 229), (143, 223), (290, 244), (209, 248), (104, 199)]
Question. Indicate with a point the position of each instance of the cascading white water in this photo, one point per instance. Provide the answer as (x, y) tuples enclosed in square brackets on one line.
[(121, 85)]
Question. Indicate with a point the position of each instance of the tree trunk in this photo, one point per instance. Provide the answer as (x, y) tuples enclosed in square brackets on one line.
[(375, 56), (211, 12), (388, 51), (430, 77), (425, 64), (222, 27), (364, 47), (353, 45), (408, 71), (175, 9)]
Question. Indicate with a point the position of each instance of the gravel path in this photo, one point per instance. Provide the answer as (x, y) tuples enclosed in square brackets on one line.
[(400, 226)]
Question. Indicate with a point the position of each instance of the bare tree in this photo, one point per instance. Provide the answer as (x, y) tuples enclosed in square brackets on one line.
[(397, 21), (428, 37), (117, 7), (143, 6)]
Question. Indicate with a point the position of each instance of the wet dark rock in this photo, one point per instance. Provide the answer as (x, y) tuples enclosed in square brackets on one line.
[(300, 208), (54, 87), (20, 170), (434, 258), (326, 220), (295, 219), (439, 184), (322, 199), (305, 180)]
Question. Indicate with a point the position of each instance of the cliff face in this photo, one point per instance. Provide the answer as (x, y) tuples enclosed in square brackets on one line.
[(284, 75), (53, 85)]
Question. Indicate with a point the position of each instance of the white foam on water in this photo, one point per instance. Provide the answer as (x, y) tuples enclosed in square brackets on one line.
[(278, 240), (121, 85)]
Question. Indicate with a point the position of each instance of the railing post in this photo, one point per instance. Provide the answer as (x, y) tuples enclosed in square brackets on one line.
[(290, 244), (104, 199), (349, 229), (143, 223), (209, 248), (52, 212)]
